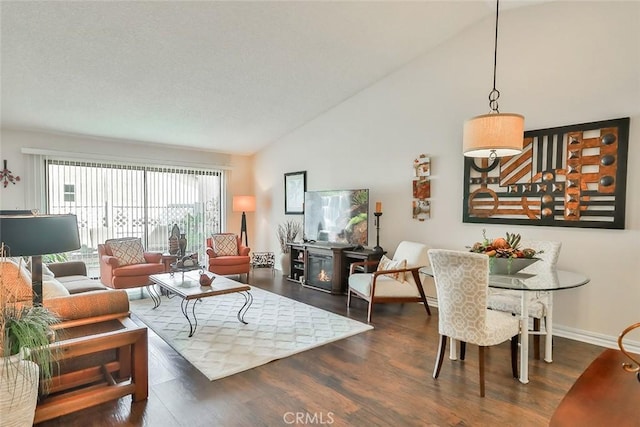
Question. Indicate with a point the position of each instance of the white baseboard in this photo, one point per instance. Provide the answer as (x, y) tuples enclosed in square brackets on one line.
[(602, 340)]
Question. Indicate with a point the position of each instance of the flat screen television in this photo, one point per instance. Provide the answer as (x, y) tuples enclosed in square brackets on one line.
[(337, 216)]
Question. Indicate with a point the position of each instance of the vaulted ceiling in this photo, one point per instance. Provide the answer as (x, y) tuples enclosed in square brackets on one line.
[(223, 76)]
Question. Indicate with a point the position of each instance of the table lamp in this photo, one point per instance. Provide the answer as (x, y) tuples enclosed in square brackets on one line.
[(37, 235), (244, 204)]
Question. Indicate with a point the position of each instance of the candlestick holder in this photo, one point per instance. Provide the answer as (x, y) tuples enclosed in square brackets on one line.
[(377, 248)]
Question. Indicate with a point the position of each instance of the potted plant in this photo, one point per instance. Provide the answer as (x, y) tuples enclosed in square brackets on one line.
[(287, 233), (25, 354)]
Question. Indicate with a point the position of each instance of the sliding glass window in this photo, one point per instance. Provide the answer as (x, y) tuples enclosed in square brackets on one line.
[(115, 200)]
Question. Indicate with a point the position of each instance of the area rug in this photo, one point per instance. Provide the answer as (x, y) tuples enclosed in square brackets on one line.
[(277, 327)]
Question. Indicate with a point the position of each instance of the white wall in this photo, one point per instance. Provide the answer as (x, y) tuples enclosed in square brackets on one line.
[(17, 196), (559, 63)]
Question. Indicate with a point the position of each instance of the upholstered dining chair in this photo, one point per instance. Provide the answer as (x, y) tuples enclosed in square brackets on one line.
[(540, 303), (395, 280), (462, 283), (227, 255)]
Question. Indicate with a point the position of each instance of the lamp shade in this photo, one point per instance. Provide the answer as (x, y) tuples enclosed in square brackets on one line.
[(498, 133), (27, 235), (244, 203)]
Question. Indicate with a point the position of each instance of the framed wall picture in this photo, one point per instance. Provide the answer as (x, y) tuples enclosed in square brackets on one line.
[(295, 184)]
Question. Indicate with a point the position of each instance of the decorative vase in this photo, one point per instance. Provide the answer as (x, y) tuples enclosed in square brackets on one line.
[(285, 263), (174, 236), (182, 242), (18, 391)]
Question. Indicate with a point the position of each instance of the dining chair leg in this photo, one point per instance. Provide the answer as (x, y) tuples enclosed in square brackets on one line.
[(442, 347), (514, 355), (481, 368), (348, 298), (536, 338), (463, 349), (369, 310)]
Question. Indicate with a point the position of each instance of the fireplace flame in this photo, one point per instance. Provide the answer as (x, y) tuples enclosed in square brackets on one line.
[(323, 276)]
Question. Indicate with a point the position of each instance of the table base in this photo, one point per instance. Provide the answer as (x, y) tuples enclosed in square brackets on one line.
[(184, 306)]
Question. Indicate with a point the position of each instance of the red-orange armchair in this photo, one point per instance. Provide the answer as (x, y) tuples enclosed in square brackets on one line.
[(227, 255), (125, 264)]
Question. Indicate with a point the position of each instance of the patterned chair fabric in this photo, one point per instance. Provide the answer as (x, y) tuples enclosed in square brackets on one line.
[(539, 302), (462, 280), (381, 287)]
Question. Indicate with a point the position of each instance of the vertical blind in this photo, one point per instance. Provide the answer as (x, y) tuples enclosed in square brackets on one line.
[(117, 200)]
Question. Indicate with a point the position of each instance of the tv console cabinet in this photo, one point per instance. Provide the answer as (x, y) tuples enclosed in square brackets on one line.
[(325, 266)]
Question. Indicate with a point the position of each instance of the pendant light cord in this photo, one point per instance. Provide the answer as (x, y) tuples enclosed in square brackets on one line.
[(495, 93)]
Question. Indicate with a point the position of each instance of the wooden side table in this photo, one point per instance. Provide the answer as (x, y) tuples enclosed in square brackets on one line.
[(79, 387), (167, 260)]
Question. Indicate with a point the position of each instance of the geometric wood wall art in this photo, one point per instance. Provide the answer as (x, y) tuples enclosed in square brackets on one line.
[(569, 176)]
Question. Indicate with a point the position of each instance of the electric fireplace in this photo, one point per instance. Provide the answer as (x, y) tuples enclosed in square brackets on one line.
[(320, 271)]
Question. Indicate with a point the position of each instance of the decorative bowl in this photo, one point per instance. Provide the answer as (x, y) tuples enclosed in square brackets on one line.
[(509, 265)]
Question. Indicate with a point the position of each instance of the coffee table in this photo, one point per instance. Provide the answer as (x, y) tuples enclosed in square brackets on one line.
[(187, 286)]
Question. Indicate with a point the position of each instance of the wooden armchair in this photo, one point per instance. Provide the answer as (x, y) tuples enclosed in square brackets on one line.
[(395, 281), (227, 255)]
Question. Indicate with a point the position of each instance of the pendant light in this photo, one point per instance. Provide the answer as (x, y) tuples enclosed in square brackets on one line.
[(495, 134)]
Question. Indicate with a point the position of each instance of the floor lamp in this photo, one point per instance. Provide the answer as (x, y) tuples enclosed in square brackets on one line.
[(37, 235), (244, 204)]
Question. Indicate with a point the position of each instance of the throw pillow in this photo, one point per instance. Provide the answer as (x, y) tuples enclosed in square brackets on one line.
[(52, 288), (46, 272), (225, 244), (127, 251), (392, 264)]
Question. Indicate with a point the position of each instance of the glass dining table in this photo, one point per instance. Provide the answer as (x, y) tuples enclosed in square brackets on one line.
[(546, 281)]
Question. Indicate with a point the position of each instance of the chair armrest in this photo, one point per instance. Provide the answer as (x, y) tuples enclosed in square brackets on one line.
[(361, 263), (243, 250), (153, 257), (88, 305), (68, 268), (210, 252), (111, 261)]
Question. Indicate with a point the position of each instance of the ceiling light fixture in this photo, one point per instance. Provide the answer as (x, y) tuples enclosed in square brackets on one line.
[(495, 134)]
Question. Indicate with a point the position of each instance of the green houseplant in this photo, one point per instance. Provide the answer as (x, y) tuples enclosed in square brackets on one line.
[(25, 355)]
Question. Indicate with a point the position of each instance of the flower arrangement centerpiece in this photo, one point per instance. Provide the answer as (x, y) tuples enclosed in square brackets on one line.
[(505, 254)]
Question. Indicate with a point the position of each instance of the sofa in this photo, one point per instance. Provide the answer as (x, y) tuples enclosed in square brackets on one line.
[(87, 301), (67, 291)]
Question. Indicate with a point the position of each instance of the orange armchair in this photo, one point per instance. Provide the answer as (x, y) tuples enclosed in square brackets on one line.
[(125, 264), (227, 255)]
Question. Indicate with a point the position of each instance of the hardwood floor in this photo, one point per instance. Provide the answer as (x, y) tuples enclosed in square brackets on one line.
[(378, 378)]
